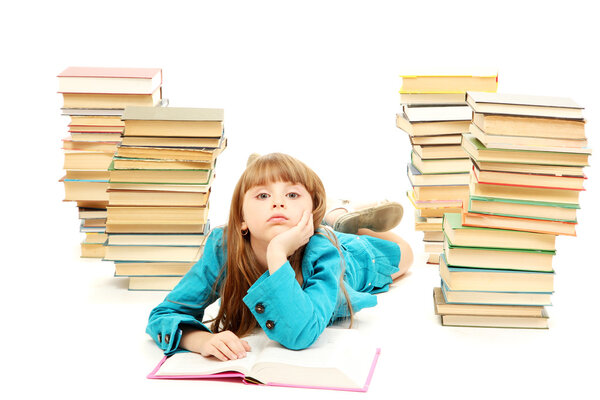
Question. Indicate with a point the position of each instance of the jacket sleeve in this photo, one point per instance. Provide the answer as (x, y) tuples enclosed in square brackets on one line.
[(292, 315), (186, 303)]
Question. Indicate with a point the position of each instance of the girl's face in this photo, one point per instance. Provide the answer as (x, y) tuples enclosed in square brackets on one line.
[(273, 208)]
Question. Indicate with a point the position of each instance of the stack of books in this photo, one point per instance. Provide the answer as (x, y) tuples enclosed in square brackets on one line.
[(94, 98), (528, 154), (435, 115), (158, 193)]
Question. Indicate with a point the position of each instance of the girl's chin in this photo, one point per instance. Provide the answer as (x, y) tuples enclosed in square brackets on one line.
[(275, 230), (279, 228), (269, 232)]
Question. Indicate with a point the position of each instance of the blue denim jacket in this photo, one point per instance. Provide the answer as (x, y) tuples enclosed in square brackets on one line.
[(290, 314)]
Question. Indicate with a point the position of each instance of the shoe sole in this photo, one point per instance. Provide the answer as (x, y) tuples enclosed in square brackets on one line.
[(380, 218)]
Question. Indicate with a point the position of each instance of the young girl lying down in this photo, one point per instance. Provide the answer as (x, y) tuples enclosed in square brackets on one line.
[(275, 265)]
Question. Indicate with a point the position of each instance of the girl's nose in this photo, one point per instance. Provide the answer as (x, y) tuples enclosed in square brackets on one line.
[(278, 203)]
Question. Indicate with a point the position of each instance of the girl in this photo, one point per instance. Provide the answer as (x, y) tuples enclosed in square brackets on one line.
[(273, 269)]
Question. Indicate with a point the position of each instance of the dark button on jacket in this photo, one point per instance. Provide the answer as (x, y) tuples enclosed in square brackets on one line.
[(270, 324), (259, 308)]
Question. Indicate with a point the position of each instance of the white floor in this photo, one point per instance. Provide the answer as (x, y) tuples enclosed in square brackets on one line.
[(83, 335)]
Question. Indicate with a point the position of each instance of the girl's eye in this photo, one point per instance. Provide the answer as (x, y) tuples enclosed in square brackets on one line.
[(293, 195), (262, 196)]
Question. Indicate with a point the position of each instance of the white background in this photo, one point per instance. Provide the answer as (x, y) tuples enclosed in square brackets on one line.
[(318, 80)]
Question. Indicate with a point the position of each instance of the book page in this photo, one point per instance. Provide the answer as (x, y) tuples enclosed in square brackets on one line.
[(521, 99), (454, 113), (341, 358)]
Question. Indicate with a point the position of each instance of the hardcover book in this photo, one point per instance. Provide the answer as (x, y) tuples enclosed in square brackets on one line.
[(495, 297), (526, 105), (498, 258), (550, 227), (441, 166), (460, 278), (173, 121), (496, 321), (523, 209), (442, 82), (427, 121), (529, 143), (442, 307), (417, 178), (480, 153), (523, 192), (527, 179), (327, 364), (109, 80), (513, 125)]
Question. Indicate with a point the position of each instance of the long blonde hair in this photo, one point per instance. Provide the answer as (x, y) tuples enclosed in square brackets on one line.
[(242, 267)]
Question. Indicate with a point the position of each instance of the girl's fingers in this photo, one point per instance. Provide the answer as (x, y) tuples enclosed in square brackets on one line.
[(310, 227), (232, 346), (246, 345), (215, 352), (303, 221), (306, 220), (225, 351), (235, 345)]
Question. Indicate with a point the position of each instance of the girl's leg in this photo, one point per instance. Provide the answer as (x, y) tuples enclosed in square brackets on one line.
[(406, 258)]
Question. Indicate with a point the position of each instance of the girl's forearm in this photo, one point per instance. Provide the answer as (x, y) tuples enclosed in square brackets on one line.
[(193, 339), (276, 257)]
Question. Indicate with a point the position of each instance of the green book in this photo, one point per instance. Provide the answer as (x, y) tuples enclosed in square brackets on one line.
[(498, 258), (479, 152), (112, 168), (524, 208), (461, 235)]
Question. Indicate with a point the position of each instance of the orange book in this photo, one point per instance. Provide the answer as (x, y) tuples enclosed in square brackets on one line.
[(551, 227)]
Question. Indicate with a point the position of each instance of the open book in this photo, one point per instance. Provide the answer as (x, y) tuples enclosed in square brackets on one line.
[(339, 360)]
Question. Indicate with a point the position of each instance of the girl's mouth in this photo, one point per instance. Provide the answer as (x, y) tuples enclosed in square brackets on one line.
[(277, 218)]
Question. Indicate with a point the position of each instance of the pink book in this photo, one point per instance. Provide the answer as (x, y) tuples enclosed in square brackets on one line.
[(109, 72), (339, 360), (104, 80)]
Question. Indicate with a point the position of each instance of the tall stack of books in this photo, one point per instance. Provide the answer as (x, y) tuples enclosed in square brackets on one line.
[(94, 98), (528, 155), (435, 115), (158, 194)]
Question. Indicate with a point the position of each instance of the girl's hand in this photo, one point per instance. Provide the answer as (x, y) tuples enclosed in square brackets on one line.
[(223, 345), (286, 243)]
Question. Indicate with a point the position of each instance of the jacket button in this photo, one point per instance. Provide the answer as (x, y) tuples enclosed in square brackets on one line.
[(260, 308), (270, 324)]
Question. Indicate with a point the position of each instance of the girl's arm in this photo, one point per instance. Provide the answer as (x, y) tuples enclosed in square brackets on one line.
[(223, 345), (184, 306), (285, 244), (293, 315)]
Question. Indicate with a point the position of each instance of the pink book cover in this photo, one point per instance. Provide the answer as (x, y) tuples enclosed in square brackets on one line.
[(239, 377), (154, 75), (109, 72)]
